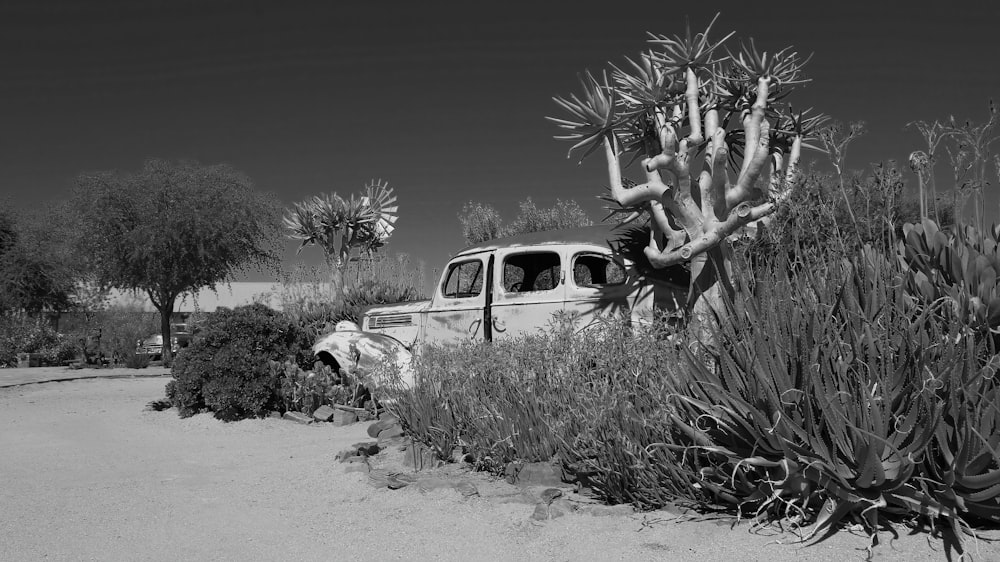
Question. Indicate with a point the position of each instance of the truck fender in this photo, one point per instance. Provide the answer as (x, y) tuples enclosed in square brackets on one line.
[(363, 353)]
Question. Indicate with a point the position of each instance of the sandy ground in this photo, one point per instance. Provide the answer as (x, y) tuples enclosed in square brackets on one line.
[(87, 474)]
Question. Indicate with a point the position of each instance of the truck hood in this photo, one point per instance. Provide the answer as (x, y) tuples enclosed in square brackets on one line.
[(412, 307)]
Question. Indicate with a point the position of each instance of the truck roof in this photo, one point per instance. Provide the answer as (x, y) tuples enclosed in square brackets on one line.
[(599, 235)]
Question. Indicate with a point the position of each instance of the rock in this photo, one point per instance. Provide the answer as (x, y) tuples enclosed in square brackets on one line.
[(391, 432), (419, 457), (355, 459), (533, 474), (342, 456), (297, 417), (550, 494), (381, 425), (546, 511), (341, 417), (459, 455), (369, 449), (324, 413), (365, 415)]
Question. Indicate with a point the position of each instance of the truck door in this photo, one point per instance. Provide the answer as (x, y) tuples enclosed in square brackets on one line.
[(458, 308), (528, 288)]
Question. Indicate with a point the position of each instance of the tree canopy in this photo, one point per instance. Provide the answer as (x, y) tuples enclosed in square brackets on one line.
[(35, 274), (172, 228)]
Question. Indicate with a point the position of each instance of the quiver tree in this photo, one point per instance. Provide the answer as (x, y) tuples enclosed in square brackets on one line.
[(340, 226), (683, 99)]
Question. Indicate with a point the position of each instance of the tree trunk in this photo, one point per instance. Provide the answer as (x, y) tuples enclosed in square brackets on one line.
[(166, 308)]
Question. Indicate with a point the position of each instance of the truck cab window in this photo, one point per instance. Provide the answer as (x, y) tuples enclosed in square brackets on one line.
[(464, 280), (533, 271)]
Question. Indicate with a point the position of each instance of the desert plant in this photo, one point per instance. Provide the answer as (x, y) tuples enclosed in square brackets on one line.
[(306, 391), (681, 97), (226, 368), (959, 265), (340, 226)]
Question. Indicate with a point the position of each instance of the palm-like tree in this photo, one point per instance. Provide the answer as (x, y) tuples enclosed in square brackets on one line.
[(340, 226)]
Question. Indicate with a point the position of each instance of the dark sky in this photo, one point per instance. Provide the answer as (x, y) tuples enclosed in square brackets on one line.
[(446, 101)]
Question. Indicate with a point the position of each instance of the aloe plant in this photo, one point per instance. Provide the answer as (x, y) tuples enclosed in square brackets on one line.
[(684, 97), (340, 226)]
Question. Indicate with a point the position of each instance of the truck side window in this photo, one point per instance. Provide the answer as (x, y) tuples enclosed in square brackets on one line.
[(596, 270), (464, 280), (534, 271)]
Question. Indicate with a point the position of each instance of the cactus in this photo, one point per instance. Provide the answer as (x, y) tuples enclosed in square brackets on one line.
[(684, 97)]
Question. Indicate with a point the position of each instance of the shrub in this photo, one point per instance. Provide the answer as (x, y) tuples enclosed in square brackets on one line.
[(306, 391), (226, 368), (22, 333), (529, 399)]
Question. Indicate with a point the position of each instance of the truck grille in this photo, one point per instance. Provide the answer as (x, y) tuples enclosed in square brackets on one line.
[(391, 321)]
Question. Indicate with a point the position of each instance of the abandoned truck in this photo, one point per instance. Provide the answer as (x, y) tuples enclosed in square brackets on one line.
[(509, 287)]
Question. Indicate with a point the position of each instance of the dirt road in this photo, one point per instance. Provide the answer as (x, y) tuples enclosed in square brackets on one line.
[(87, 474)]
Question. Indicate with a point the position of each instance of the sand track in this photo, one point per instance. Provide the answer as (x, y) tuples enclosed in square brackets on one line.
[(86, 474)]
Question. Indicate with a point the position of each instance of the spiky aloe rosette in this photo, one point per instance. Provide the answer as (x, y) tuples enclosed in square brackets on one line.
[(835, 395)]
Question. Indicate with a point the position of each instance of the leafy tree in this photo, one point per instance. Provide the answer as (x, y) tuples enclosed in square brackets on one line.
[(340, 226), (36, 273), (172, 228), (684, 97), (482, 222)]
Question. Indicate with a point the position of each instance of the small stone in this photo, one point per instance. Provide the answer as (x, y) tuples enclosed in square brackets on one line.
[(550, 494), (297, 417), (324, 413), (533, 474), (419, 457), (366, 449), (342, 417), (558, 508), (391, 436)]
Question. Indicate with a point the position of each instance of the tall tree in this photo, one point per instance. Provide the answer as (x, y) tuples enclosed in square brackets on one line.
[(684, 97), (173, 228)]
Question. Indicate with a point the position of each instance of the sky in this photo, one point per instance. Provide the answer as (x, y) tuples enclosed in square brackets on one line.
[(444, 100)]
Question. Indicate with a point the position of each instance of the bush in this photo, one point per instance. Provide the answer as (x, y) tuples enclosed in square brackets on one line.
[(306, 391), (558, 392), (227, 370), (22, 333)]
